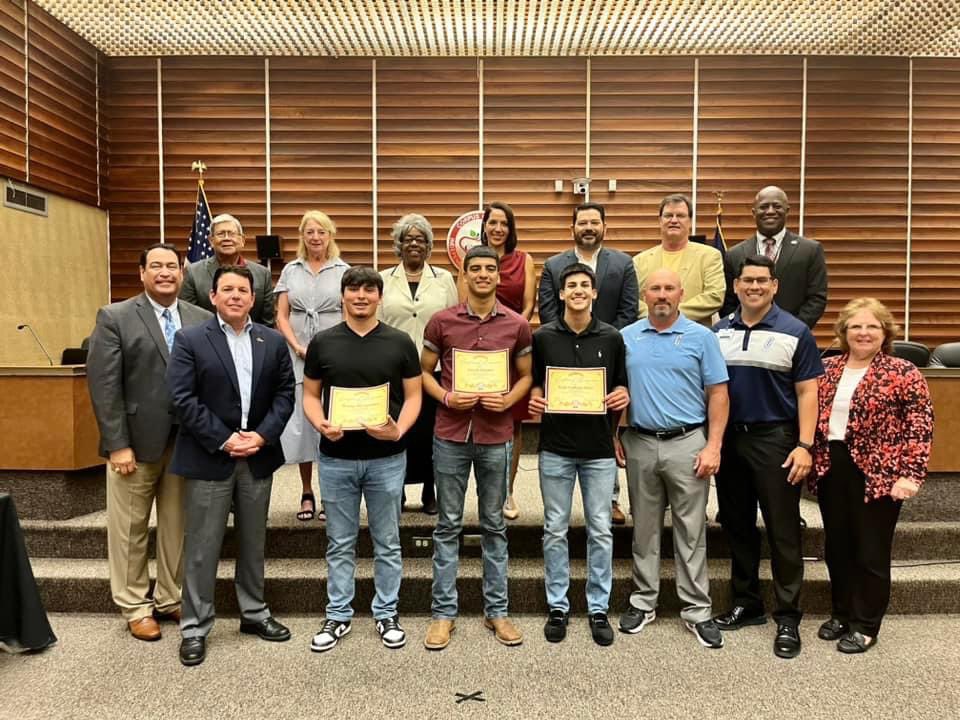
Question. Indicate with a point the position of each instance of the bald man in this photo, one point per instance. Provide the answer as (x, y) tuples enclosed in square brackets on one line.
[(677, 380), (799, 262)]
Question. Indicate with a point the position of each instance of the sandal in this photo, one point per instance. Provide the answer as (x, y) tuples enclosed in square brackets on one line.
[(322, 514), (307, 515)]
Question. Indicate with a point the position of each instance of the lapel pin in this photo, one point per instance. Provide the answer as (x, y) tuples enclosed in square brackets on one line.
[(259, 339)]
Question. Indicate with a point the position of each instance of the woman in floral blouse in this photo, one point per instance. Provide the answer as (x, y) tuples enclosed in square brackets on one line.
[(870, 454)]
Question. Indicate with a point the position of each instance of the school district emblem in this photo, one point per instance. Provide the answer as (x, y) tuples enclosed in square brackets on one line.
[(463, 235)]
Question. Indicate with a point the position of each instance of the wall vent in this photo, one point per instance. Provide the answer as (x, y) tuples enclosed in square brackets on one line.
[(27, 200)]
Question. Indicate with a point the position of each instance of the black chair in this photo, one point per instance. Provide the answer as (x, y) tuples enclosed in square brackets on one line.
[(74, 356), (946, 355), (917, 353)]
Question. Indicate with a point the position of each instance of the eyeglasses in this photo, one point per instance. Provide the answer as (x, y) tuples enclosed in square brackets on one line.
[(675, 216), (223, 234), (411, 239), (761, 281)]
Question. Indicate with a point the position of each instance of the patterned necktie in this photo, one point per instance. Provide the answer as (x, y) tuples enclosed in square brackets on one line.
[(770, 248), (169, 329)]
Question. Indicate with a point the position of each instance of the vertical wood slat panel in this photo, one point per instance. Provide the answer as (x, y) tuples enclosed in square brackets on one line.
[(750, 125), (13, 107), (133, 176), (213, 110), (641, 136), (428, 146), (534, 133), (61, 107), (856, 178), (935, 264), (320, 149)]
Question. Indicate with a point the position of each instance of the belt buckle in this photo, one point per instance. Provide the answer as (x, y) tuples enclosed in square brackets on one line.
[(661, 434)]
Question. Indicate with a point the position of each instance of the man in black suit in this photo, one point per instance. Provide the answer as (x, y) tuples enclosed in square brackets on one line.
[(231, 382), (618, 293), (800, 265)]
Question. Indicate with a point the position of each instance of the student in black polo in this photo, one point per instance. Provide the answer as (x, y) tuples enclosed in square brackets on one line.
[(573, 444)]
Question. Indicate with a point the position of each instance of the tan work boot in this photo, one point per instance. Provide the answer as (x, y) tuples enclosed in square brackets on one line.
[(438, 634), (145, 628), (504, 630)]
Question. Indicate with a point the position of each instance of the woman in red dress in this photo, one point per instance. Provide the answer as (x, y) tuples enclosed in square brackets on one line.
[(518, 291)]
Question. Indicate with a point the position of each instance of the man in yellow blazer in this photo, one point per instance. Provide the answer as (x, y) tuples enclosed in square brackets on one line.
[(699, 266)]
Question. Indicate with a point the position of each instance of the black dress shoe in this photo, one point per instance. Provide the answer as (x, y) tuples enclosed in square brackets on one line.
[(854, 642), (268, 629), (787, 642), (193, 651), (738, 617), (832, 630)]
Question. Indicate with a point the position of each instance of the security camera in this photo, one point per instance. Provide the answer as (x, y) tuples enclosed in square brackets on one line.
[(581, 185)]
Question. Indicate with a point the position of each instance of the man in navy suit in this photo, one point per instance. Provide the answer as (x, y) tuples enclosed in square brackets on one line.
[(232, 384)]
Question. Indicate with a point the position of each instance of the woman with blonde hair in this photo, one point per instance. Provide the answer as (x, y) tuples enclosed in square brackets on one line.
[(308, 301), (870, 453)]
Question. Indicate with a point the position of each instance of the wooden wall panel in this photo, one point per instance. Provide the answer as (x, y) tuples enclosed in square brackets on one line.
[(750, 125), (62, 108), (641, 136), (535, 133), (133, 175), (320, 149), (935, 264), (856, 179), (213, 110), (13, 106), (428, 146)]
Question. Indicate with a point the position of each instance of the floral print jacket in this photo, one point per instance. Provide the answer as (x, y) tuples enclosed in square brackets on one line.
[(890, 428)]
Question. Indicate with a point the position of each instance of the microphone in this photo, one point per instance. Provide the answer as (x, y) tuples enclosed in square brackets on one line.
[(27, 327)]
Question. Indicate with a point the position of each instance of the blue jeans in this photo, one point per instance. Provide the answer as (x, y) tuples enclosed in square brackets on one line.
[(557, 477), (381, 482), (451, 471)]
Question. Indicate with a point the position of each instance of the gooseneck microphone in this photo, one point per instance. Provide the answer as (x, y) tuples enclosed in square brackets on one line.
[(27, 327)]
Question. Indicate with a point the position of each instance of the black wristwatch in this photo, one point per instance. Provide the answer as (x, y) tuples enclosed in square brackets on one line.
[(806, 446)]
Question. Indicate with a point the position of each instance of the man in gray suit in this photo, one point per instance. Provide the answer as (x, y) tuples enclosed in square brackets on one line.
[(126, 364), (226, 236), (800, 265), (618, 293)]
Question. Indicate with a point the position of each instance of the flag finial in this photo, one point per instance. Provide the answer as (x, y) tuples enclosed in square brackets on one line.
[(199, 166)]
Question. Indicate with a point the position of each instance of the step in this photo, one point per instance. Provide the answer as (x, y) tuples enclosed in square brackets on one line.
[(299, 586)]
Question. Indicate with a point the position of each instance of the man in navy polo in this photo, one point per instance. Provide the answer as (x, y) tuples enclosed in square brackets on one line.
[(678, 383), (774, 365)]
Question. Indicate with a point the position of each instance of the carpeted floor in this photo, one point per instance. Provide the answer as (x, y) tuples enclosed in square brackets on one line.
[(98, 671)]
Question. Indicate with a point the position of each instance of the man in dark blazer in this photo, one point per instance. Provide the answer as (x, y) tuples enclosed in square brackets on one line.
[(800, 264), (128, 353), (232, 385), (618, 293), (226, 236)]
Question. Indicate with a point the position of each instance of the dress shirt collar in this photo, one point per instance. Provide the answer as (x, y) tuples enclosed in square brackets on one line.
[(228, 328)]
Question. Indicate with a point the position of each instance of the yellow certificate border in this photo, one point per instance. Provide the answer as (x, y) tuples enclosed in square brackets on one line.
[(506, 362), (554, 369), (346, 391)]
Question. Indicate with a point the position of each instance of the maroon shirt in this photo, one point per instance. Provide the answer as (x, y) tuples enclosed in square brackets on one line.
[(457, 327)]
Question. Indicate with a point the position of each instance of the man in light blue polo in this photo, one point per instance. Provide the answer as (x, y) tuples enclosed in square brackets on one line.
[(677, 379)]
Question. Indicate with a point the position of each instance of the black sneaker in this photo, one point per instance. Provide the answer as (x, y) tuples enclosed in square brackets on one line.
[(329, 635), (707, 632), (600, 629), (391, 634), (555, 629), (634, 620)]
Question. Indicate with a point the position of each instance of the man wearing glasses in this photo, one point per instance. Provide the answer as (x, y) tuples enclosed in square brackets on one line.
[(226, 236)]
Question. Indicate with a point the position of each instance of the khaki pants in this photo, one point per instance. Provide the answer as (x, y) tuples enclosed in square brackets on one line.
[(129, 501)]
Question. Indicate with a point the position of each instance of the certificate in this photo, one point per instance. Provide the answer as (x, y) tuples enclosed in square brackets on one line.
[(354, 408), (576, 391), (481, 371)]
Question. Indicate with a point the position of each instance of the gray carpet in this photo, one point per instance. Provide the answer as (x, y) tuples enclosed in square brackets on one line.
[(99, 671)]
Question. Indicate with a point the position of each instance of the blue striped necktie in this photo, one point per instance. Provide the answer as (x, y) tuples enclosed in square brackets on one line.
[(169, 329)]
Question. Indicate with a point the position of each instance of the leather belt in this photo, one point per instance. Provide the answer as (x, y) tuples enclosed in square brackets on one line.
[(757, 427), (667, 433)]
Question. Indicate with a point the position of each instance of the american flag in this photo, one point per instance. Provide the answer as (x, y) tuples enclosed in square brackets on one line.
[(718, 240), (198, 244)]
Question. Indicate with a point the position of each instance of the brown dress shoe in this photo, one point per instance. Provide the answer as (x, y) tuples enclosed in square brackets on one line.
[(173, 615), (504, 630), (145, 628), (438, 634), (616, 515)]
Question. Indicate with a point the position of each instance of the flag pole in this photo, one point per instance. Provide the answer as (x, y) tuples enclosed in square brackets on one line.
[(199, 166)]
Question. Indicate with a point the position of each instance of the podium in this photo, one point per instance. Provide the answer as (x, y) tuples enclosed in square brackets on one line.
[(48, 455)]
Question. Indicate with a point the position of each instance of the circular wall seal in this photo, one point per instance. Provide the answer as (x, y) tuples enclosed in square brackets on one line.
[(463, 235)]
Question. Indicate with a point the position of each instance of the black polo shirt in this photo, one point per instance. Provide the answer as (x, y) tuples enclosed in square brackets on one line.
[(339, 357), (600, 345)]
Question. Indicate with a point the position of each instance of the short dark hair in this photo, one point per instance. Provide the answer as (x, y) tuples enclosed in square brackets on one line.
[(674, 199), (233, 270), (159, 246), (484, 251), (361, 276), (758, 261), (511, 243), (577, 269), (589, 206)]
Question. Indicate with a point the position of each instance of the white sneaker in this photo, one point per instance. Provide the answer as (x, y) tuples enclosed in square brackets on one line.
[(391, 633), (329, 635)]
